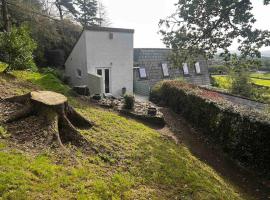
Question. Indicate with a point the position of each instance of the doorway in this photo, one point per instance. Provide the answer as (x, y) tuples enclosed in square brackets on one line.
[(106, 75)]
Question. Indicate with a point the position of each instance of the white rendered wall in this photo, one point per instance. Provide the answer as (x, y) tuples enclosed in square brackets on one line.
[(116, 54), (77, 60)]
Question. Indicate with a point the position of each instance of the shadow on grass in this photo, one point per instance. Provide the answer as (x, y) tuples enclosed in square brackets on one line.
[(173, 168)]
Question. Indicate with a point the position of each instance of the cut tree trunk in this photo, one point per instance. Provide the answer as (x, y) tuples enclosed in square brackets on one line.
[(62, 119)]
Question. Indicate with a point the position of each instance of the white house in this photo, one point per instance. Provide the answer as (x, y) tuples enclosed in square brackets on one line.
[(102, 60)]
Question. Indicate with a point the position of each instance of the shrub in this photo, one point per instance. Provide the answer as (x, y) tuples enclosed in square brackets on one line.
[(241, 83), (18, 47), (244, 134), (129, 101)]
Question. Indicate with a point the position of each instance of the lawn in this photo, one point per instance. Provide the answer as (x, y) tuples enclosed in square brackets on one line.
[(132, 161)]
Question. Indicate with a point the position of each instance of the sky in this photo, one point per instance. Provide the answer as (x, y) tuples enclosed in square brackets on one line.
[(144, 15)]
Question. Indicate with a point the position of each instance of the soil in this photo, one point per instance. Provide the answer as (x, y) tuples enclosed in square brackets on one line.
[(180, 131)]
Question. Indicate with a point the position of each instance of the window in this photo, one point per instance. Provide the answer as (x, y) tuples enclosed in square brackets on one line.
[(79, 73), (142, 72), (99, 72), (111, 36), (165, 70), (185, 69), (197, 68)]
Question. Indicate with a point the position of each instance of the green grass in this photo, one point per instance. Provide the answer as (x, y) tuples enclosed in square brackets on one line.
[(225, 82), (133, 162), (261, 82), (263, 76)]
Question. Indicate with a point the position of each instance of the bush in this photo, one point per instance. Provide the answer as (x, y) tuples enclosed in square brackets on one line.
[(129, 101), (244, 134), (18, 47), (241, 83)]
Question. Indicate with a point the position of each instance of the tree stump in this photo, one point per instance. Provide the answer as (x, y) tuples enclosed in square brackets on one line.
[(62, 119)]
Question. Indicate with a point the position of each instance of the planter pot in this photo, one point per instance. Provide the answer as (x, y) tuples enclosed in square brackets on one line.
[(152, 111)]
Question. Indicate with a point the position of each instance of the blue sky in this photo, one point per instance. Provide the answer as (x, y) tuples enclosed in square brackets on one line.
[(144, 15)]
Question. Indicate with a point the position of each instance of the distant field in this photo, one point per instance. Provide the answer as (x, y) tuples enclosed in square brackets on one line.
[(257, 75), (224, 82), (261, 82), (258, 79)]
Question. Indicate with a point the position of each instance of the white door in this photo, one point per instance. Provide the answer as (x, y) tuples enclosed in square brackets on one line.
[(106, 75)]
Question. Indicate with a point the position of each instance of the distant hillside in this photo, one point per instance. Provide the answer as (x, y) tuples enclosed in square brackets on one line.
[(266, 53)]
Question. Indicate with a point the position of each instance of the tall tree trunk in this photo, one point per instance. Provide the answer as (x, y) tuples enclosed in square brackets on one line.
[(57, 3), (5, 16)]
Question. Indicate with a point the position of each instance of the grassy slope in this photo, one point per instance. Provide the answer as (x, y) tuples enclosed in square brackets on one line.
[(134, 162)]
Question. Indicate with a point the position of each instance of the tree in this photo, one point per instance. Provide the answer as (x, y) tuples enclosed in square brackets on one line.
[(103, 19), (240, 75), (202, 27), (65, 4), (18, 47), (49, 34), (5, 16), (87, 14), (62, 119)]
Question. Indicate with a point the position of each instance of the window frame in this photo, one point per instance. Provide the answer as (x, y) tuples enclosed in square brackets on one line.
[(162, 69), (79, 73), (197, 64), (183, 68), (111, 35), (139, 71)]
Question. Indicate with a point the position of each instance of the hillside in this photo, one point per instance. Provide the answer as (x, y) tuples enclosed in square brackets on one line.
[(130, 161)]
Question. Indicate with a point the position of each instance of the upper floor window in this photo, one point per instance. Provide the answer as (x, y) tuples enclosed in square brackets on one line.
[(165, 69), (185, 69), (197, 67), (79, 73), (142, 72), (110, 36)]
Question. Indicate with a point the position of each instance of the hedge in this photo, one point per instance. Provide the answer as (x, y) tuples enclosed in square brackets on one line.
[(244, 134)]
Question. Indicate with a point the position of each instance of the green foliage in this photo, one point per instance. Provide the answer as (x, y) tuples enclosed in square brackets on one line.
[(48, 34), (87, 15), (241, 83), (129, 101), (146, 165), (243, 133), (218, 69), (203, 27), (260, 87), (18, 47)]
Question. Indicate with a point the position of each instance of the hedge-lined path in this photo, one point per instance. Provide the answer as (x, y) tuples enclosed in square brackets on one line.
[(181, 132)]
